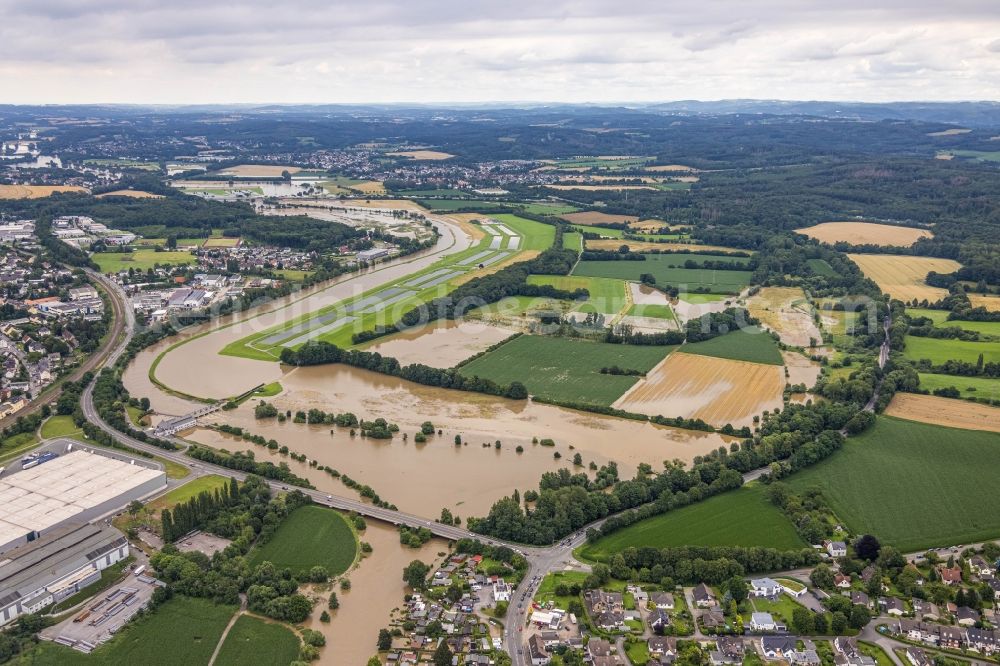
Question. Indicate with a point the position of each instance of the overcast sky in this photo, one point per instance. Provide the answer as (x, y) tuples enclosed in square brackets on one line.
[(187, 51)]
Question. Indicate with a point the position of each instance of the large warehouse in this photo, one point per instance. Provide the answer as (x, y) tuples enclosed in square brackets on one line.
[(74, 488)]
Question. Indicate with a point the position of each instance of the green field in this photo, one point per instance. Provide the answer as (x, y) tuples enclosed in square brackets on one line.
[(457, 204), (539, 208), (61, 426), (573, 240), (820, 267), (606, 296), (940, 319), (113, 262), (970, 387), (254, 641), (941, 350), (189, 490), (603, 165), (743, 517), (660, 266), (980, 155), (310, 536), (183, 631), (913, 485), (747, 344), (703, 298), (565, 369), (536, 235), (655, 310)]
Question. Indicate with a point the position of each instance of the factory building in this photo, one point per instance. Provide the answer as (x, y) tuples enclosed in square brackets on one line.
[(55, 566), (77, 487)]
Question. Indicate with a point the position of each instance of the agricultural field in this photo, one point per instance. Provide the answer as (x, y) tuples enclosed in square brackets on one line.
[(35, 191), (310, 536), (573, 240), (913, 485), (968, 387), (113, 262), (664, 267), (945, 411), (422, 154), (255, 641), (715, 390), (940, 319), (594, 218), (132, 194), (221, 242), (939, 350), (543, 208), (653, 310), (565, 369), (787, 312), (182, 631), (603, 188), (865, 233), (991, 303), (902, 276), (654, 244), (258, 171), (603, 162), (747, 344), (447, 205), (122, 163), (607, 296), (978, 155), (536, 235), (742, 517), (821, 267)]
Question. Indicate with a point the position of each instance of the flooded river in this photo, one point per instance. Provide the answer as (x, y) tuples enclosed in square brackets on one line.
[(376, 589)]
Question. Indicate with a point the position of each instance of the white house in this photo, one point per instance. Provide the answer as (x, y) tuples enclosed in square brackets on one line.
[(835, 548), (764, 587)]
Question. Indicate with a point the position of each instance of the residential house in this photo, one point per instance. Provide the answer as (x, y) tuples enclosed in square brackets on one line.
[(892, 606), (501, 591), (703, 596), (848, 654), (662, 646), (598, 647), (732, 648), (842, 581), (966, 616), (860, 599), (915, 630), (659, 620), (805, 658), (777, 647), (713, 619), (984, 641), (835, 548), (925, 610), (762, 622), (995, 586), (606, 609), (662, 600), (952, 637), (950, 575), (980, 566), (918, 657), (764, 587)]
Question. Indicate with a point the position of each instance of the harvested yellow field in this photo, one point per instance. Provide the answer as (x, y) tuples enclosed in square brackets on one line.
[(902, 276), (648, 225), (643, 246), (600, 188), (716, 390), (945, 412), (596, 218), (991, 303), (465, 221), (422, 154), (134, 194), (668, 167), (35, 191), (864, 233), (787, 312), (259, 170), (222, 242), (370, 187)]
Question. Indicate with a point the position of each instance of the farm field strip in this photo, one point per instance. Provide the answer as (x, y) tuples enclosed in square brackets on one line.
[(902, 276), (865, 233), (968, 387), (607, 296), (948, 412), (940, 350), (662, 268), (718, 391)]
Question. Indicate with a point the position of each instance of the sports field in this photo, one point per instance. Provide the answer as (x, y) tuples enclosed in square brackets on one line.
[(113, 262), (743, 517), (310, 536), (939, 350), (913, 485), (565, 369), (182, 631), (902, 276), (254, 641), (969, 387), (950, 412), (607, 296), (667, 269), (865, 233), (749, 344)]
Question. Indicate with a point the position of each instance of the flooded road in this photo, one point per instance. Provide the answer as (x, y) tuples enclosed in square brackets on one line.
[(376, 589)]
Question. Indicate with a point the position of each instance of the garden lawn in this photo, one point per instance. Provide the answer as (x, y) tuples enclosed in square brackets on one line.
[(254, 641), (547, 589), (188, 491), (668, 270), (182, 631), (606, 296), (743, 517), (749, 344), (310, 536), (941, 350), (968, 387), (566, 369), (913, 485), (113, 262)]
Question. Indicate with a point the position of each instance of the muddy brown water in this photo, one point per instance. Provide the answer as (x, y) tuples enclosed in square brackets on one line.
[(376, 589)]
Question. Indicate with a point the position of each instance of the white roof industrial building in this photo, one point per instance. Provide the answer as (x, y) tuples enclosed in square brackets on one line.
[(75, 487)]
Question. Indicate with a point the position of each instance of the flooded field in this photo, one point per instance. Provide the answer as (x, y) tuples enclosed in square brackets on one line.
[(801, 370), (442, 344), (376, 589), (424, 478)]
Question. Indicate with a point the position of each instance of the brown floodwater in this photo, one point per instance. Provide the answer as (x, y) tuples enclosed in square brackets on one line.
[(424, 478), (376, 589), (442, 344), (801, 370)]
